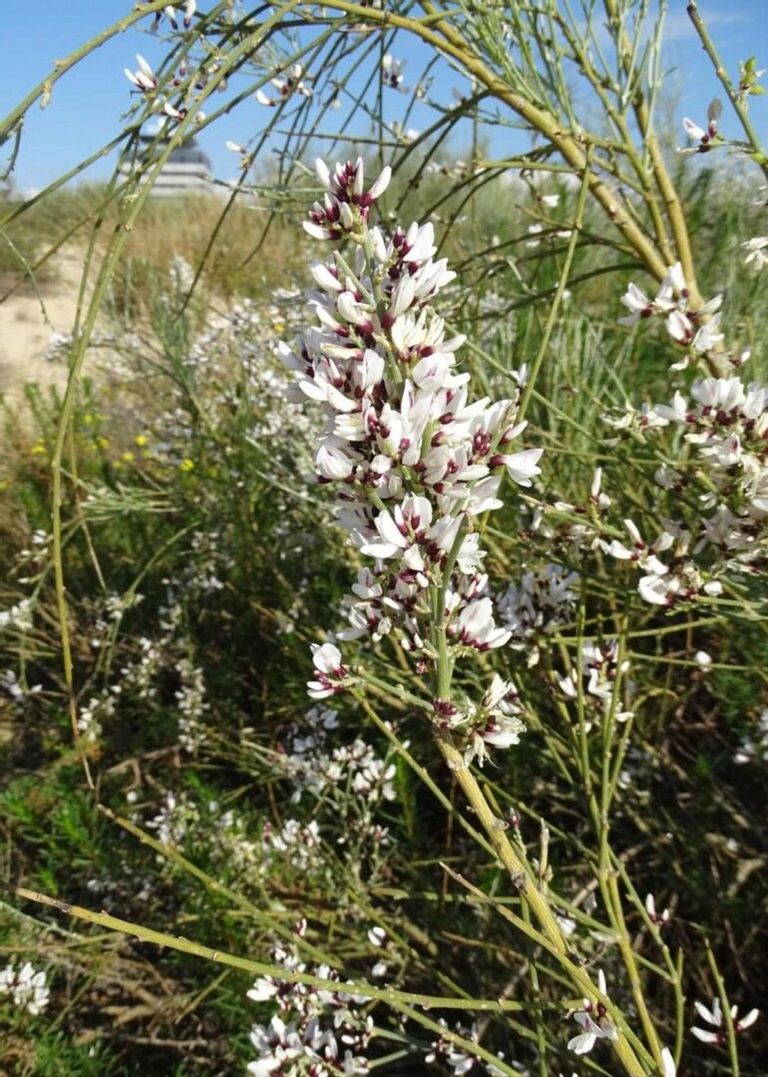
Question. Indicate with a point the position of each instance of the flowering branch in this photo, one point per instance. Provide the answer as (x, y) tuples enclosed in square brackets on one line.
[(414, 463), (737, 98)]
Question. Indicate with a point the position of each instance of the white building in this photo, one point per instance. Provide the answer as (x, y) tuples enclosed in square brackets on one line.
[(187, 170)]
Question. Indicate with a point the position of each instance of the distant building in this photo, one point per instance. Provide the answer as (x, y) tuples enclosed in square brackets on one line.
[(187, 170)]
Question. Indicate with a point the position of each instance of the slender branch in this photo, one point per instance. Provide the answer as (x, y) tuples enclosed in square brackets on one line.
[(736, 99)]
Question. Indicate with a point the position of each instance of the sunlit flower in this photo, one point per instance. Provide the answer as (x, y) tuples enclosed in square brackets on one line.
[(144, 78), (332, 676), (290, 83), (705, 136), (392, 72)]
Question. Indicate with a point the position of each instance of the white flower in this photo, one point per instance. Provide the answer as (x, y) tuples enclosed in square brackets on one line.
[(708, 336), (476, 626), (704, 136), (693, 130), (332, 677), (661, 918), (637, 303), (757, 251), (28, 989), (392, 72), (522, 466), (263, 989), (668, 1062), (534, 230), (680, 327), (594, 1021), (586, 1040), (716, 1019), (144, 78)]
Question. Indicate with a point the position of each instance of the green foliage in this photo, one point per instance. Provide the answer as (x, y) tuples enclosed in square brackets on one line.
[(199, 563)]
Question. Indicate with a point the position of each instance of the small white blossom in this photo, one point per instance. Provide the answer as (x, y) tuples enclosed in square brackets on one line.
[(594, 1022), (143, 78), (757, 252), (660, 919), (27, 988), (715, 1018), (332, 676), (392, 72)]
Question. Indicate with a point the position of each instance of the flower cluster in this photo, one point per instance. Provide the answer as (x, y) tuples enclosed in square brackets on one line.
[(413, 459), (295, 843), (494, 722), (177, 815), (313, 765), (594, 681), (536, 605), (27, 989), (317, 1030), (695, 330), (179, 91), (724, 424), (190, 698), (18, 617), (444, 1050), (19, 693)]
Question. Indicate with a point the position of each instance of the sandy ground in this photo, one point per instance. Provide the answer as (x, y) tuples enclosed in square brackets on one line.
[(26, 331)]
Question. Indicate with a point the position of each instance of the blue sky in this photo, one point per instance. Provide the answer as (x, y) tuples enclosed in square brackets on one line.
[(88, 102)]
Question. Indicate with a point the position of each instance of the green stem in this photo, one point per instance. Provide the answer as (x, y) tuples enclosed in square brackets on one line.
[(733, 96), (725, 1006)]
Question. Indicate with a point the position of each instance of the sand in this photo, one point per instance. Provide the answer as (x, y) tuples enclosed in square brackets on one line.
[(27, 326)]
